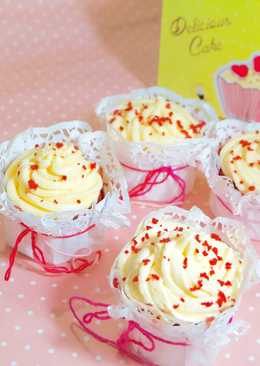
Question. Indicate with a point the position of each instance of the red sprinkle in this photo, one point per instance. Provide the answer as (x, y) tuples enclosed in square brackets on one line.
[(154, 220), (215, 236), (59, 145), (165, 240), (78, 201), (32, 184), (175, 306), (213, 262), (204, 275), (251, 188), (185, 263), (221, 298), (34, 167), (228, 265), (64, 177), (207, 304), (197, 237), (93, 166), (155, 276), (146, 261), (115, 282), (135, 279)]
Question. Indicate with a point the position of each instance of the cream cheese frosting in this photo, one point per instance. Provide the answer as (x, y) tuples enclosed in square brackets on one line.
[(240, 160), (154, 119), (52, 178), (252, 80), (174, 272)]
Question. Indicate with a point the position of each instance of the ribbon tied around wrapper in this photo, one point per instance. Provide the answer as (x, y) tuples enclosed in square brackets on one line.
[(38, 255), (124, 340), (152, 179)]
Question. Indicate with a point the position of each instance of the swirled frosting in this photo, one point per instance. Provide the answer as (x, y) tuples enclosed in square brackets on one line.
[(240, 160), (172, 271), (53, 177), (154, 119)]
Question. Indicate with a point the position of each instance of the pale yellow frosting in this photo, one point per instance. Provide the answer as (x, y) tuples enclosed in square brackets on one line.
[(171, 271), (240, 160), (53, 177), (252, 80), (154, 119)]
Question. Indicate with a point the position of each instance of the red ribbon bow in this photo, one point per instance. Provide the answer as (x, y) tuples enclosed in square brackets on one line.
[(123, 341), (152, 178), (38, 254)]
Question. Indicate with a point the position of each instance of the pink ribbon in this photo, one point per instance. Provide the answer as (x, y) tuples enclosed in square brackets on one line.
[(124, 340), (38, 255), (152, 178)]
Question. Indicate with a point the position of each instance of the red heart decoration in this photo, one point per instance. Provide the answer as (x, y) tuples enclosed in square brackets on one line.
[(256, 62), (240, 70)]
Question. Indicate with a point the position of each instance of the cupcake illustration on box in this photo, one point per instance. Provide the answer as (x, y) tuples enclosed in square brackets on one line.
[(238, 88)]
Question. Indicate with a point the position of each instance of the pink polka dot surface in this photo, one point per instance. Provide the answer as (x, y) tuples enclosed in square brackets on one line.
[(58, 59)]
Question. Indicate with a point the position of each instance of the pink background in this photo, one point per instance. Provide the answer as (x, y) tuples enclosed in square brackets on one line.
[(58, 58)]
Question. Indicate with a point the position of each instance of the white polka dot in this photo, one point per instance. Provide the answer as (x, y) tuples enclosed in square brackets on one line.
[(8, 310), (1, 293), (227, 355), (20, 296), (27, 347), (258, 341), (251, 358), (13, 363), (116, 237), (134, 217), (63, 334), (64, 301), (40, 331), (257, 294), (106, 250), (251, 308), (98, 358), (17, 327), (29, 312), (11, 280), (51, 351), (74, 354), (75, 287), (42, 298), (32, 283), (3, 343), (3, 264), (54, 285)]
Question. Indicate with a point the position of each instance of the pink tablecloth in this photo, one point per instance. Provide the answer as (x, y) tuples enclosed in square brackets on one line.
[(58, 58)]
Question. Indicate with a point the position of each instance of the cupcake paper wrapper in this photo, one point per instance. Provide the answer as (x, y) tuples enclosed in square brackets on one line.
[(227, 200), (238, 102), (150, 156), (109, 212)]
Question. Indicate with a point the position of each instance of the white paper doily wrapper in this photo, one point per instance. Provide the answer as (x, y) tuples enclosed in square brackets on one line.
[(109, 212), (226, 200), (149, 156), (204, 341)]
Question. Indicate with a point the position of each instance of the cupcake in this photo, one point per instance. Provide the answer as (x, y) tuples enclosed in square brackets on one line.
[(156, 135), (178, 282), (59, 187), (234, 173), (238, 86), (53, 177)]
